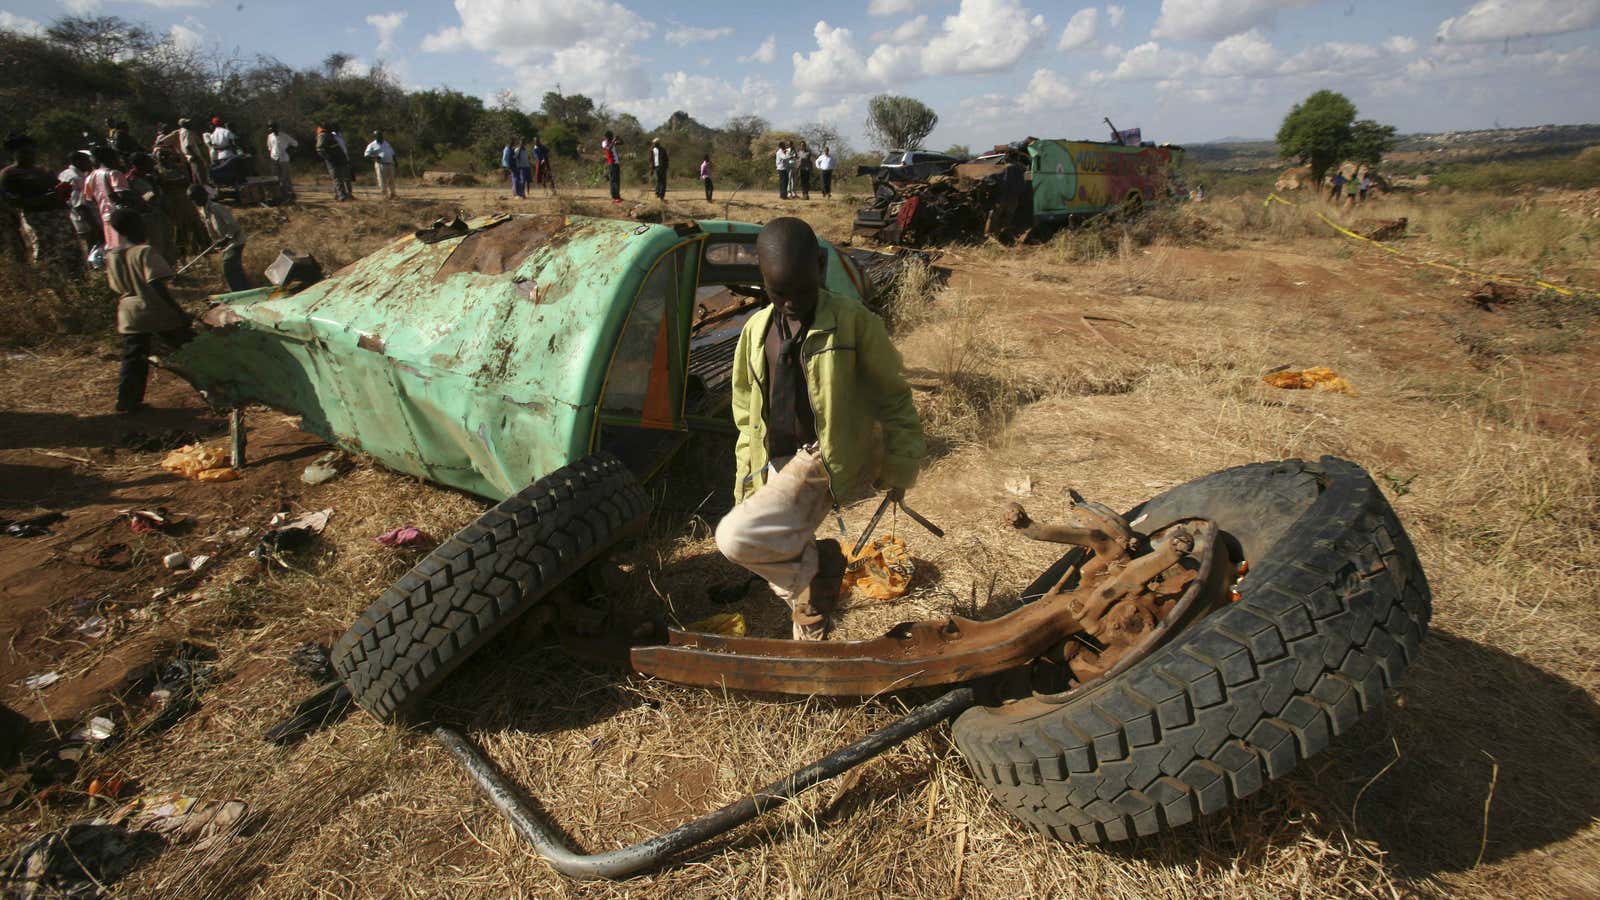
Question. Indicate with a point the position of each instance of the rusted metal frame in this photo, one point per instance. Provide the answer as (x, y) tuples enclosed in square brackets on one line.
[(917, 654)]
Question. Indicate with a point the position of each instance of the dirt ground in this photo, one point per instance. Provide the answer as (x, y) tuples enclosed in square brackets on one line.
[(1118, 376)]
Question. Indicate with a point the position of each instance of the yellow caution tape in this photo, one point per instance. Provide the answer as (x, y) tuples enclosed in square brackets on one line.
[(1416, 260)]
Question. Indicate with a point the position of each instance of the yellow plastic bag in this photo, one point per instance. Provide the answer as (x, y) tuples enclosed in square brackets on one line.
[(1316, 378), (883, 571), (200, 463), (730, 624)]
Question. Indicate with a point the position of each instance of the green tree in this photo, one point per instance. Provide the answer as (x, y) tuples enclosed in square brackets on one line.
[(1317, 131), (1369, 141), (900, 123), (959, 151), (574, 110)]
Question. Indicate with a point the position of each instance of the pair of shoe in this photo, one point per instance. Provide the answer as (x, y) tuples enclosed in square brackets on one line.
[(813, 610)]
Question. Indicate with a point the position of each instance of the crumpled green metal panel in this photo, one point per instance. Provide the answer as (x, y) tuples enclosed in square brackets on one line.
[(475, 362)]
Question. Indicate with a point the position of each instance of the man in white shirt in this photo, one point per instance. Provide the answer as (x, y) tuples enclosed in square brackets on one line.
[(382, 156), (224, 144), (825, 166), (278, 147), (782, 160)]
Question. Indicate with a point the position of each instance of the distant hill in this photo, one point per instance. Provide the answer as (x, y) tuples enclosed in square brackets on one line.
[(1419, 151)]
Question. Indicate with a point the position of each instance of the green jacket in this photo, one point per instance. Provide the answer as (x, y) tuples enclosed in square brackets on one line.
[(853, 379)]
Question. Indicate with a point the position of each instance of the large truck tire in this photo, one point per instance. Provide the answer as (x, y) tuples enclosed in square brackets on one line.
[(476, 583), (1330, 614)]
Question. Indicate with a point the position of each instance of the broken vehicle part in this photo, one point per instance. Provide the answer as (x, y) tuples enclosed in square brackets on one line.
[(652, 853)]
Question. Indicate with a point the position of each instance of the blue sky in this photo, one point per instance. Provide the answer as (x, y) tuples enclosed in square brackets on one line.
[(1183, 70)]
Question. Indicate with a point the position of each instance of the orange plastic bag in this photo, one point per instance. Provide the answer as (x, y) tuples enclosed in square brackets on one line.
[(200, 463), (1316, 378), (883, 571)]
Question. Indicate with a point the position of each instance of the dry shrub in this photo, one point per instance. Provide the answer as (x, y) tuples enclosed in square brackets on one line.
[(35, 308)]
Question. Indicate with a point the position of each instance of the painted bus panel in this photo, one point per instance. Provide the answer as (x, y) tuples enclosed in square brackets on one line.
[(1077, 178)]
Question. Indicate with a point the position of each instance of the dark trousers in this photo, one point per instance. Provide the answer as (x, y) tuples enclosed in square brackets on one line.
[(805, 184), (708, 189), (614, 172), (661, 184), (233, 268), (519, 181), (135, 371), (783, 184), (827, 182)]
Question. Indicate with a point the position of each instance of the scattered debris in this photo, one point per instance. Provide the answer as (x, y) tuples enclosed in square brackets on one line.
[(1382, 229), (38, 526), (326, 468), (406, 536), (175, 560), (95, 730), (144, 521), (732, 624), (311, 660), (183, 818), (109, 786), (288, 535), (201, 463), (76, 861), (1318, 378), (42, 681), (1022, 487), (1493, 293), (882, 571), (444, 228), (197, 563), (93, 627)]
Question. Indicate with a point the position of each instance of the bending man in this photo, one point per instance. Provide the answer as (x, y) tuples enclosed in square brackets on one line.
[(812, 375)]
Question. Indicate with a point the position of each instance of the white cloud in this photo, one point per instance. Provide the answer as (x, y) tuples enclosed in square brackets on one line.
[(386, 24), (1112, 51), (1498, 20), (20, 24), (1080, 29), (1046, 91), (187, 39), (684, 35), (171, 4), (1247, 54), (1150, 61), (1400, 45), (709, 99), (1185, 20), (890, 7), (588, 48), (983, 36), (1115, 14), (81, 7), (1334, 58), (906, 32), (835, 67), (766, 53)]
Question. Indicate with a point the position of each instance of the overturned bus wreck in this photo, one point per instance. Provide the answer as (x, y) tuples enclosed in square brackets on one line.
[(1021, 190), (1175, 658)]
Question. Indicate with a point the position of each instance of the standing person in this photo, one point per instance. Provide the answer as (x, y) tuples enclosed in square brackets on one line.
[(781, 160), (144, 183), (43, 223), (106, 187), (192, 147), (332, 151), (224, 230), (223, 142), (382, 156), (808, 417), (825, 166), (138, 274), (658, 167), (613, 169), (805, 163), (85, 218), (1366, 185), (512, 158), (1352, 188), (278, 147), (524, 165), (121, 138), (705, 174), (541, 166), (1336, 184)]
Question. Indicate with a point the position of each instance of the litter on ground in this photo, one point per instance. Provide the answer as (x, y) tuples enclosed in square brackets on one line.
[(1316, 378), (201, 463)]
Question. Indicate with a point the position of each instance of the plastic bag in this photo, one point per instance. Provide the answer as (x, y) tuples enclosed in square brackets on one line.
[(1317, 378), (200, 463), (883, 571)]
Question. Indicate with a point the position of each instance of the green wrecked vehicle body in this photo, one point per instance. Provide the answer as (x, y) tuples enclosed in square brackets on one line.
[(487, 360), (552, 364)]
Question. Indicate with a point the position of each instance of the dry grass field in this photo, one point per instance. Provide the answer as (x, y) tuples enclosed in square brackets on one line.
[(1117, 364)]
